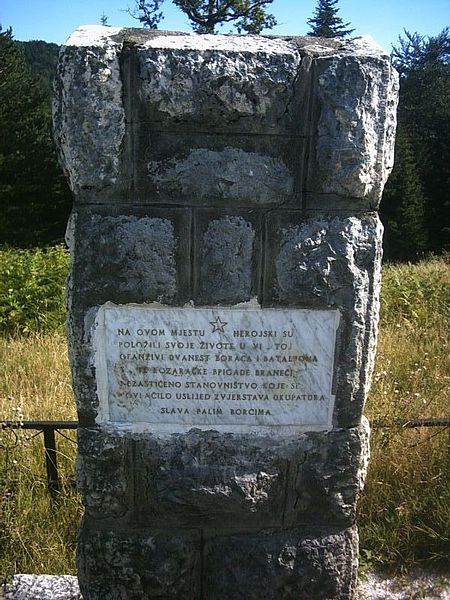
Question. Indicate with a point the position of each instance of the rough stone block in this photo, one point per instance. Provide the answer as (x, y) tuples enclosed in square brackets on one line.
[(287, 564), (227, 254), (89, 116), (231, 481), (230, 174), (213, 168), (128, 258), (338, 98), (223, 480), (131, 565), (332, 262), (353, 143), (103, 475), (327, 476), (210, 80)]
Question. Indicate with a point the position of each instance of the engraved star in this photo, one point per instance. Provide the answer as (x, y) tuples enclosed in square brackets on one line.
[(218, 325)]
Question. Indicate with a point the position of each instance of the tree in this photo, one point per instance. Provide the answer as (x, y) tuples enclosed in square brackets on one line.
[(248, 16), (42, 58), (417, 51), (148, 12), (424, 118), (404, 205), (34, 198), (326, 23)]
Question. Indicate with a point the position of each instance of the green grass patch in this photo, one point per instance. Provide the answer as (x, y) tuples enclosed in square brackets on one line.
[(32, 289)]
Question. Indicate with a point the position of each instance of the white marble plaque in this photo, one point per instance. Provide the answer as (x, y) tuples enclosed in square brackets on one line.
[(230, 369)]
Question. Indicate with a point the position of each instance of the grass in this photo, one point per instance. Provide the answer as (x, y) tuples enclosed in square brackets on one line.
[(37, 535), (405, 509)]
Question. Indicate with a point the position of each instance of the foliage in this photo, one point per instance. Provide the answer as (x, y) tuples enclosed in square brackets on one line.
[(405, 508), (34, 197), (326, 23), (406, 234), (32, 289), (247, 16), (148, 12), (416, 295), (42, 58), (417, 52), (424, 120)]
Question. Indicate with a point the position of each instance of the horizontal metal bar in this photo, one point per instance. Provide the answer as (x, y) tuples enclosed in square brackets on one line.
[(412, 423), (42, 425), (405, 423)]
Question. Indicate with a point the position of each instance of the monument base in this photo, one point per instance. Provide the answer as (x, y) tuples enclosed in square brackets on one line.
[(208, 516), (270, 564)]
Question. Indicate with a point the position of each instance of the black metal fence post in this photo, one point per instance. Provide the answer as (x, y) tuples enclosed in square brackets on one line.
[(51, 463), (48, 428)]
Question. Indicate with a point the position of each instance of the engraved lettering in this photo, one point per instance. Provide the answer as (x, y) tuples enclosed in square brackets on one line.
[(225, 369)]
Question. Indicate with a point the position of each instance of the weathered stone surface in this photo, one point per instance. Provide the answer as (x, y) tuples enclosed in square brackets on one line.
[(89, 117), (333, 261), (287, 564), (227, 255), (125, 256), (231, 174), (357, 97), (41, 587), (328, 478), (210, 79), (223, 480), (161, 564), (166, 99), (103, 473), (205, 172)]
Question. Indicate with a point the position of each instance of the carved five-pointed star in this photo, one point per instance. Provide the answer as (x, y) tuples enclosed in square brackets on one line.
[(218, 325)]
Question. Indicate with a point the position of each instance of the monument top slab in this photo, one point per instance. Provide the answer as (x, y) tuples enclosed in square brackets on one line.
[(98, 35)]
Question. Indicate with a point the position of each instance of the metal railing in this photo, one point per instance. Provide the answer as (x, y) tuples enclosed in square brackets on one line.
[(49, 428)]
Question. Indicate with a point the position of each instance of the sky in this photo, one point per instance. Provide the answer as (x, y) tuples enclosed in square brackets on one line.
[(384, 20)]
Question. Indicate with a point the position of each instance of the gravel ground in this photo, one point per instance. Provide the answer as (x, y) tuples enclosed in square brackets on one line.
[(419, 586)]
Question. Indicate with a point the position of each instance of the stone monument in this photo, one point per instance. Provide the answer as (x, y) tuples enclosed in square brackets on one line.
[(223, 306)]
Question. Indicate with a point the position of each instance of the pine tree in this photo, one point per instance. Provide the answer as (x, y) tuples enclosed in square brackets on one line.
[(326, 23), (148, 12), (424, 116), (42, 58), (404, 204), (34, 198), (247, 16)]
